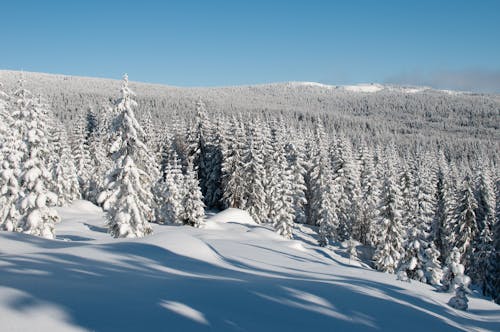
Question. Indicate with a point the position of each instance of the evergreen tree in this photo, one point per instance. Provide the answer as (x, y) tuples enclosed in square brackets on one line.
[(298, 185), (454, 271), (369, 198), (442, 220), (10, 157), (465, 228), (346, 174), (233, 175), (194, 209), (172, 192), (459, 301), (389, 250), (254, 175), (281, 208), (35, 201), (82, 158), (128, 199)]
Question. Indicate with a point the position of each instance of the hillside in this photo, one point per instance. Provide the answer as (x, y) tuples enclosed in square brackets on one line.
[(231, 275), (407, 111)]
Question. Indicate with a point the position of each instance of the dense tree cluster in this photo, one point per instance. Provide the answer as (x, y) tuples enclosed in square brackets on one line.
[(427, 212)]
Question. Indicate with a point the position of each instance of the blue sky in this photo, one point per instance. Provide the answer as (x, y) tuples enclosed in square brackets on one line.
[(447, 44)]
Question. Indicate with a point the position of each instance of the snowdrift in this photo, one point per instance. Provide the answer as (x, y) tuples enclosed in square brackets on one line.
[(231, 275)]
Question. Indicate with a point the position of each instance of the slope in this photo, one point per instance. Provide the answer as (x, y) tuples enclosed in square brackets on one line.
[(231, 275)]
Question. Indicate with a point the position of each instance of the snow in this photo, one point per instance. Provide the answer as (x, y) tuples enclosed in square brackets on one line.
[(367, 88), (230, 275)]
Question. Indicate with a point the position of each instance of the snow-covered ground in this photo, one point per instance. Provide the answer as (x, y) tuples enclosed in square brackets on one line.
[(231, 275)]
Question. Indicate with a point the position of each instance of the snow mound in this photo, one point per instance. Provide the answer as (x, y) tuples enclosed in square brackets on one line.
[(232, 215)]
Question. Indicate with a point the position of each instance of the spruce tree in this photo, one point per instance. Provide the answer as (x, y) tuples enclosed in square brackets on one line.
[(465, 225), (65, 179), (194, 208), (127, 198), (172, 192), (10, 158), (389, 242), (35, 201)]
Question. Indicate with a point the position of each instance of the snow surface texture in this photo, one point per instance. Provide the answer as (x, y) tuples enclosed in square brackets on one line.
[(230, 275)]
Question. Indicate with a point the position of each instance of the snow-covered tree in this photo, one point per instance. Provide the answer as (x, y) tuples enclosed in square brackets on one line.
[(194, 208), (432, 268), (128, 199), (389, 241), (233, 176), (10, 158), (297, 170), (281, 211), (346, 174), (254, 176), (66, 185), (35, 201), (465, 225), (459, 301), (443, 216), (454, 272), (171, 192), (369, 184)]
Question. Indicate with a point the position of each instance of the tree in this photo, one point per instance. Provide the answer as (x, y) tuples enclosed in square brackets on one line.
[(35, 201), (298, 184), (254, 175), (370, 192), (281, 208), (389, 242), (10, 158), (128, 199), (233, 176), (442, 221), (194, 209), (172, 192), (459, 301), (465, 222), (64, 174), (454, 272)]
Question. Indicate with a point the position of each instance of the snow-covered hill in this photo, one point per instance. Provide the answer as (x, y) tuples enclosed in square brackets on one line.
[(231, 275)]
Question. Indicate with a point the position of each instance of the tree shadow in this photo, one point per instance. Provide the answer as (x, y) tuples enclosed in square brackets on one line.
[(133, 286)]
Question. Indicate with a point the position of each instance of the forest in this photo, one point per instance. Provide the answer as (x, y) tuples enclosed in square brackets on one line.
[(411, 177)]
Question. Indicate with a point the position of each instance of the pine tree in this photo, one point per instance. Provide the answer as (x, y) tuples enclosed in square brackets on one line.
[(441, 224), (346, 174), (254, 175), (10, 158), (194, 209), (35, 201), (432, 268), (459, 301), (64, 174), (281, 208), (369, 186), (172, 192), (465, 222), (298, 185), (82, 158), (128, 199), (213, 168), (233, 176), (389, 250), (454, 271), (418, 233), (493, 272)]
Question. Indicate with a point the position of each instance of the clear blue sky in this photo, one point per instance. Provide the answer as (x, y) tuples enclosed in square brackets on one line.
[(205, 43)]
